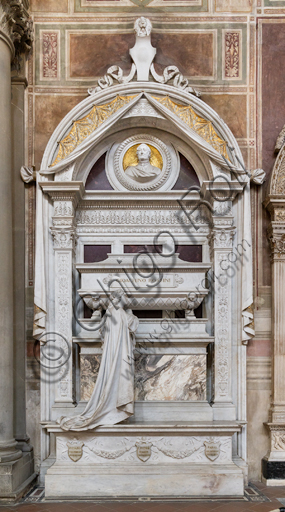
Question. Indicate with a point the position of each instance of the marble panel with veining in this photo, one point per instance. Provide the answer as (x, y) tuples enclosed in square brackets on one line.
[(89, 368), (157, 377), (164, 377)]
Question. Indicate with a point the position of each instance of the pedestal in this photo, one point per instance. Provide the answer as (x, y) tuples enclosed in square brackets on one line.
[(145, 460)]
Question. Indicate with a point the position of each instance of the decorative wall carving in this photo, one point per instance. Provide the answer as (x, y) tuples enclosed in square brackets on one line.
[(279, 214), (212, 449), (277, 244), (222, 238), (63, 238), (232, 48), (278, 440), (143, 449), (63, 209), (165, 303), (151, 449), (111, 454), (142, 27), (143, 108), (64, 243), (75, 451), (222, 332), (137, 217), (128, 230), (221, 241), (50, 54), (63, 299)]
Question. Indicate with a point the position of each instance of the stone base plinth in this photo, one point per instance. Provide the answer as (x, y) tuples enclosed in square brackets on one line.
[(145, 460), (273, 472), (273, 464), (65, 482), (15, 477)]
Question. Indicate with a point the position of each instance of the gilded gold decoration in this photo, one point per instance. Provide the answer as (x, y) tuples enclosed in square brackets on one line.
[(82, 128), (130, 157), (200, 125)]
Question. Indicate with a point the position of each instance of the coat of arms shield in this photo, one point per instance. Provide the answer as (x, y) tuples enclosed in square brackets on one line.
[(75, 450), (212, 449), (143, 449)]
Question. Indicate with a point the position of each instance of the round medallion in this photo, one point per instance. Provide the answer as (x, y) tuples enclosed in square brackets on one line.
[(141, 162)]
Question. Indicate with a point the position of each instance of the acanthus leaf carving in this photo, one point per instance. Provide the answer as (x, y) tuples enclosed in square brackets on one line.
[(222, 335), (277, 244), (63, 209), (64, 238), (222, 238), (16, 23)]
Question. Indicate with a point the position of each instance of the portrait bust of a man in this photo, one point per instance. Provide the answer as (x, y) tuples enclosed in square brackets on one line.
[(143, 171)]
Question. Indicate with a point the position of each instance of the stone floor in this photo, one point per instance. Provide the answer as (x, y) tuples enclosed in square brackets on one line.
[(258, 498)]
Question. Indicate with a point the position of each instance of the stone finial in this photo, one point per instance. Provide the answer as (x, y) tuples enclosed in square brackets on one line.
[(143, 52)]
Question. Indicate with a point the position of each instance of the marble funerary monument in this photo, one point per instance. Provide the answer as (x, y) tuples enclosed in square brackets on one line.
[(131, 275)]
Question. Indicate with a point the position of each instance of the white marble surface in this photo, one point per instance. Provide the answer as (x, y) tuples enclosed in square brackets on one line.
[(157, 377), (177, 461), (170, 377)]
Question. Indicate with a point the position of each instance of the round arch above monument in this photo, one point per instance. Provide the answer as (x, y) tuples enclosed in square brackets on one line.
[(215, 130)]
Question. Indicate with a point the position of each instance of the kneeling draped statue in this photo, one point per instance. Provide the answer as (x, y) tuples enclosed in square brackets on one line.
[(112, 399)]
